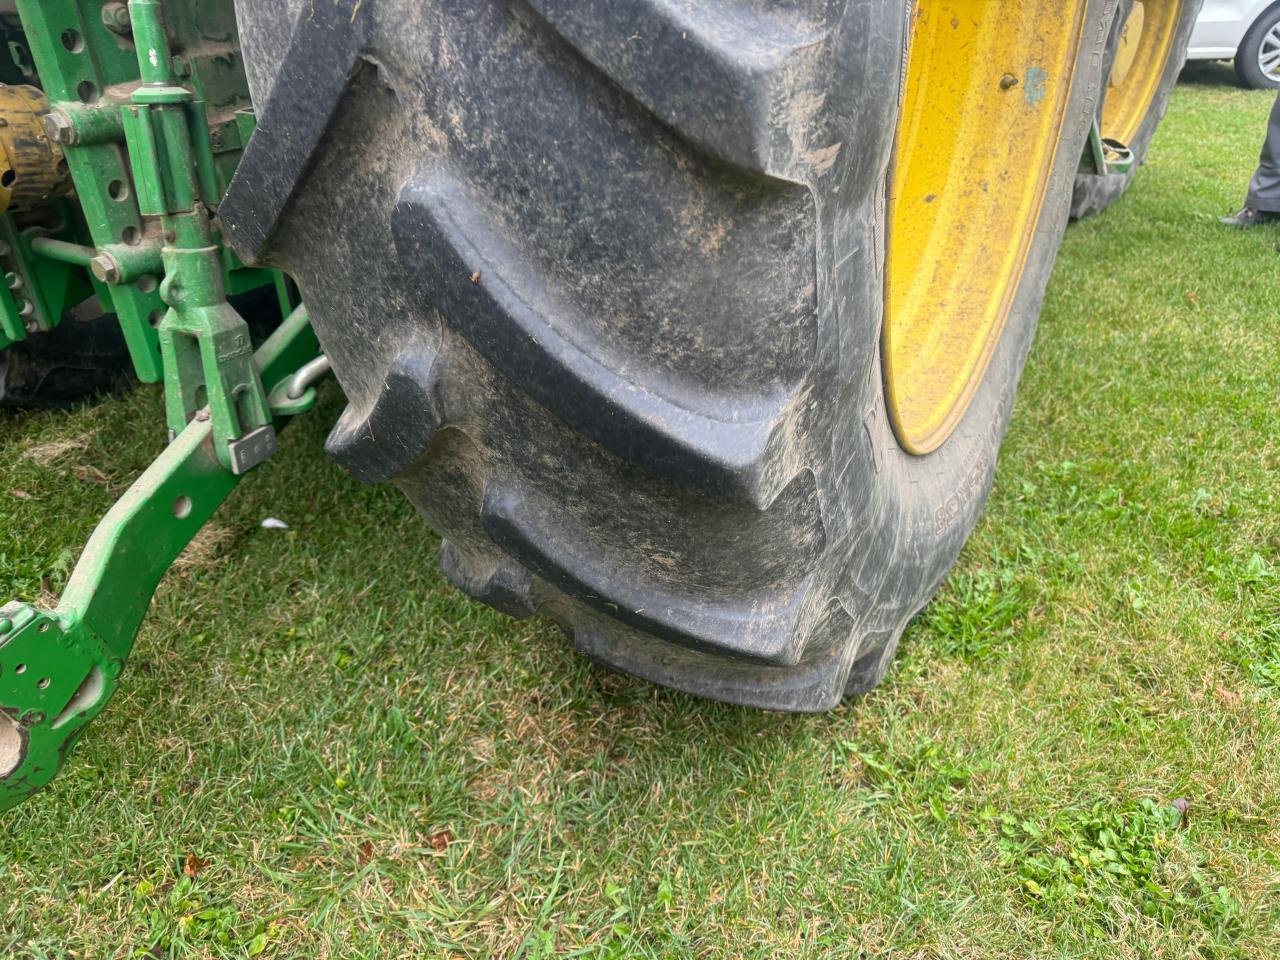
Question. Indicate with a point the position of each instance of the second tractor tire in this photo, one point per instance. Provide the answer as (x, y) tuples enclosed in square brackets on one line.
[(1093, 192)]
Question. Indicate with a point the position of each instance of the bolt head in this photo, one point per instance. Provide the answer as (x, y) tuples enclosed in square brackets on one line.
[(59, 128), (116, 17), (105, 267)]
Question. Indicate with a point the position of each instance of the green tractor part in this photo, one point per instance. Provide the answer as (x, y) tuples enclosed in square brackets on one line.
[(1104, 156), (58, 668), (205, 345), (137, 137), (99, 115)]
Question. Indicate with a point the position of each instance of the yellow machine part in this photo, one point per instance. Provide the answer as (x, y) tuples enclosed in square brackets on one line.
[(986, 93), (32, 168), (1146, 40)]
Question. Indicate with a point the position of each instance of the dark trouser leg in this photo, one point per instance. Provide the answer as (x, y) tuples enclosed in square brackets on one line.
[(1264, 188)]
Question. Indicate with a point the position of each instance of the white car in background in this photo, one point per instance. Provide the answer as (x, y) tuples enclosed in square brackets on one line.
[(1246, 31)]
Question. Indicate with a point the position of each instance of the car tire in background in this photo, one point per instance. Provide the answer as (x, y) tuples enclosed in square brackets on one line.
[(695, 327), (1145, 53), (1257, 60)]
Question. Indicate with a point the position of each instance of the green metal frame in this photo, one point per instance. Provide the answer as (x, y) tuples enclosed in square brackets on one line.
[(47, 286), (85, 55), (203, 341), (1104, 156)]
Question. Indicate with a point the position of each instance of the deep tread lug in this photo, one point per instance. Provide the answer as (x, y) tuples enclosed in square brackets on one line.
[(464, 264), (323, 52), (497, 581), (402, 423), (738, 88), (766, 627)]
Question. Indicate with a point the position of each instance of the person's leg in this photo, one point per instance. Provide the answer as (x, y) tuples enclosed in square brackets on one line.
[(1262, 202), (1264, 188)]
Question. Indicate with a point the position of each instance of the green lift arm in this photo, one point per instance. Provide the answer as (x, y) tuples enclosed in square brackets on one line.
[(139, 142), (58, 668)]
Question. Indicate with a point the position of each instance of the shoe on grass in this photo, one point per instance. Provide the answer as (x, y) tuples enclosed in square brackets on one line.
[(1247, 217)]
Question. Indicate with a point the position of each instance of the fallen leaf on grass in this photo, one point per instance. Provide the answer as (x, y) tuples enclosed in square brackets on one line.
[(440, 839), (44, 454), (87, 474), (20, 495), (366, 853), (192, 866), (1227, 696)]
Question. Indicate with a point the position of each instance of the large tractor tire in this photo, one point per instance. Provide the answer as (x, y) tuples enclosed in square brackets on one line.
[(1145, 53), (695, 326)]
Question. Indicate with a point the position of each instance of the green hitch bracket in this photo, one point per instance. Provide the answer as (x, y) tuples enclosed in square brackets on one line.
[(84, 125), (204, 342), (96, 67), (58, 668), (1104, 155)]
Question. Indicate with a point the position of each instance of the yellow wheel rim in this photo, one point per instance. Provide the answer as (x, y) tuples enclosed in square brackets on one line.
[(985, 98), (1146, 40)]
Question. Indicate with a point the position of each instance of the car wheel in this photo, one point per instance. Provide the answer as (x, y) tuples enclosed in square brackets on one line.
[(1258, 58)]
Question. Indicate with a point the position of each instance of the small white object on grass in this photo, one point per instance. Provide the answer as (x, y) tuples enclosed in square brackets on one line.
[(271, 523)]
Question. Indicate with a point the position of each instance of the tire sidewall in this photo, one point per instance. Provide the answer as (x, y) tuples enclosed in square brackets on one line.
[(926, 506)]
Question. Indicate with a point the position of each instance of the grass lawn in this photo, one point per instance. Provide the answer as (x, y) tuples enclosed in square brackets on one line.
[(354, 760)]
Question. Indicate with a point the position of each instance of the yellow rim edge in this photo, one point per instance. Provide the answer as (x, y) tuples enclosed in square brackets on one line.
[(985, 99), (1143, 54)]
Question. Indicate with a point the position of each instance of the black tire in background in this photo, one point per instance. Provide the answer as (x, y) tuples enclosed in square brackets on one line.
[(1248, 55), (604, 284), (1094, 193), (84, 358)]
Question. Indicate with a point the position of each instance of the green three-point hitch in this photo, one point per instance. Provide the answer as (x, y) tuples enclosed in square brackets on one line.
[(120, 133)]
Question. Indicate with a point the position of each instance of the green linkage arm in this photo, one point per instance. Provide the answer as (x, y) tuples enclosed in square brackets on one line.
[(58, 669)]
